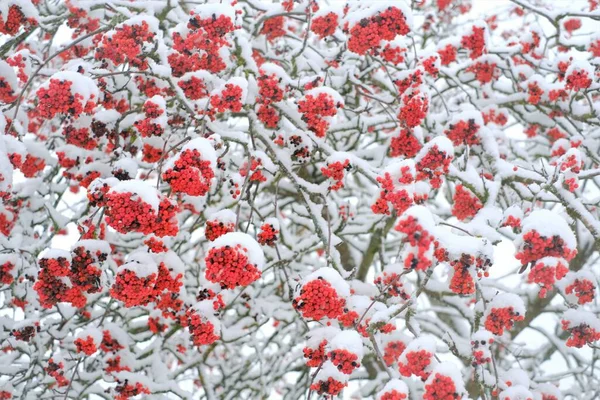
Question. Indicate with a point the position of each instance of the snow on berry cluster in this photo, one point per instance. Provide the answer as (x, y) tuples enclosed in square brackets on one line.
[(384, 199)]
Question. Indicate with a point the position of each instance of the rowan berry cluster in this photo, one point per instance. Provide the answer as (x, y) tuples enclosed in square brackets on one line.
[(267, 235), (199, 46), (318, 299), (315, 109), (466, 205), (580, 335), (55, 370), (202, 331), (392, 351), (441, 388), (335, 171), (546, 272), (499, 319), (229, 99), (11, 23), (433, 165), (464, 132), (330, 386), (126, 45), (215, 229), (126, 212), (315, 357), (405, 144), (417, 363), (269, 92), (190, 174), (421, 243), (475, 42), (344, 360), (325, 25), (86, 345), (368, 33), (584, 289), (58, 98), (536, 246), (230, 267)]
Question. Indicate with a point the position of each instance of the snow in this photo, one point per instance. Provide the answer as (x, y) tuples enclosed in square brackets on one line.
[(348, 340), (141, 264), (205, 148)]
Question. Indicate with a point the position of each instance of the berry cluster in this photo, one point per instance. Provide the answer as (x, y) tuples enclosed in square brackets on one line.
[(125, 45), (269, 92), (536, 246), (441, 387), (578, 79), (368, 33), (546, 272), (267, 235), (315, 357), (86, 346), (152, 124), (330, 386), (432, 165), (344, 360), (6, 276), (466, 205), (52, 286), (325, 25), (392, 351), (484, 72), (417, 363), (462, 281), (11, 23), (318, 299), (475, 42), (202, 330), (420, 241), (132, 289), (200, 48), (124, 214), (580, 335), (216, 229), (335, 171), (58, 98), (55, 370), (230, 99), (389, 283), (398, 197), (405, 144), (190, 174), (229, 266), (393, 395), (463, 132), (499, 319), (314, 109), (584, 289), (273, 28), (126, 390), (194, 88), (415, 106)]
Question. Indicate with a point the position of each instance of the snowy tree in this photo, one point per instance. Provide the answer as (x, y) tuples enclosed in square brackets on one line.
[(299, 199)]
